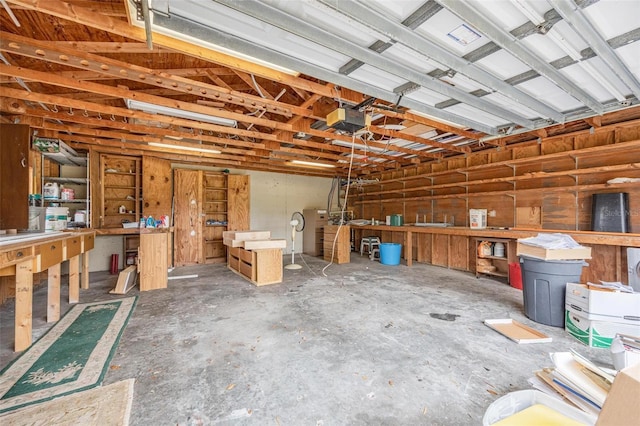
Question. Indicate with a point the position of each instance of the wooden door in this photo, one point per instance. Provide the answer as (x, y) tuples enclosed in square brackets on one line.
[(14, 176), (186, 219), (238, 203)]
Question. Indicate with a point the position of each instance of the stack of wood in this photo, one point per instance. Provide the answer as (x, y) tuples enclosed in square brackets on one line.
[(251, 240), (254, 255)]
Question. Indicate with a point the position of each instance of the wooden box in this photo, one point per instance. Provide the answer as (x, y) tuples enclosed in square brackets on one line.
[(261, 267), (342, 249), (553, 254)]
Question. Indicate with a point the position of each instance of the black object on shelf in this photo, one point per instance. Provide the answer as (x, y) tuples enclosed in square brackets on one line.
[(610, 212)]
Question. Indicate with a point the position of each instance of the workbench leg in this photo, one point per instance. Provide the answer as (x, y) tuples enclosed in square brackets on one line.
[(408, 248), (85, 271), (74, 279), (53, 293), (24, 302)]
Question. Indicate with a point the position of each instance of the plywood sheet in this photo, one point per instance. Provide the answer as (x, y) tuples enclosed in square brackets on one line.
[(517, 331), (238, 202), (529, 217), (156, 187)]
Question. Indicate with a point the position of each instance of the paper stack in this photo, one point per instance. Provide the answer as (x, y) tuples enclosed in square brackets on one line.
[(576, 380)]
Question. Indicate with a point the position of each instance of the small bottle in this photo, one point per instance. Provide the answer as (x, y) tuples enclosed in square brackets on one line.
[(143, 222)]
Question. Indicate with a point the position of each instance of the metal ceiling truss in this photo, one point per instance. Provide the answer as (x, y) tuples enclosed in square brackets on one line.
[(511, 44), (382, 24), (576, 19), (212, 35), (324, 37)]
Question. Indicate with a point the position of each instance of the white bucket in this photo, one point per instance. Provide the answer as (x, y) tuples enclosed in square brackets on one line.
[(56, 218)]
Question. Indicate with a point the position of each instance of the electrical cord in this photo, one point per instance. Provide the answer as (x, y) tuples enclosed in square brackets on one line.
[(344, 205)]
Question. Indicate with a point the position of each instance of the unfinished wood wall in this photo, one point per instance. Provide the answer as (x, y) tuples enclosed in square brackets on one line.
[(553, 179)]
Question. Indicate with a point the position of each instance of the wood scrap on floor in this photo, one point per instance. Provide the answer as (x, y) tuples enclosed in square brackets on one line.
[(517, 331), (127, 279)]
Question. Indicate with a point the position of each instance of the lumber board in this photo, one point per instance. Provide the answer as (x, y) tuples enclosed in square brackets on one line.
[(126, 280), (264, 244)]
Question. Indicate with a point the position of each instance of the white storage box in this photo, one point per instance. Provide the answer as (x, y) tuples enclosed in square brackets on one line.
[(514, 402), (597, 334), (477, 218), (603, 305)]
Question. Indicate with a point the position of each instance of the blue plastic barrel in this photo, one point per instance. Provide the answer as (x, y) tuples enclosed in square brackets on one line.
[(390, 253)]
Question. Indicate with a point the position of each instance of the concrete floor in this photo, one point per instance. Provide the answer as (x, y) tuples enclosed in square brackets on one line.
[(369, 344)]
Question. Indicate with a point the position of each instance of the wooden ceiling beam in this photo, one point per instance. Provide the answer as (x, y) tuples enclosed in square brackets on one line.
[(122, 112), (85, 16), (110, 47), (162, 133), (435, 124), (86, 86), (141, 139), (69, 57), (406, 136)]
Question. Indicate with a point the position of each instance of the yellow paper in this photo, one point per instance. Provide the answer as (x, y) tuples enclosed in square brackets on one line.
[(538, 415)]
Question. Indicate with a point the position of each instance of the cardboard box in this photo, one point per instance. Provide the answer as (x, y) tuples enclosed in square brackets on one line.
[(603, 305), (553, 254), (621, 406), (597, 334)]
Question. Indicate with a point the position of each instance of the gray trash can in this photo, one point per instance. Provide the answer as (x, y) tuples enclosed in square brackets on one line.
[(543, 287)]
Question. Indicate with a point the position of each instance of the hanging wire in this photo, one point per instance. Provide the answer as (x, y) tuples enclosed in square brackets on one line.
[(70, 112), (55, 108)]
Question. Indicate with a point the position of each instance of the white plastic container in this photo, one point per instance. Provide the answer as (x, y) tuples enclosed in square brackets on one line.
[(517, 401), (56, 218), (51, 191)]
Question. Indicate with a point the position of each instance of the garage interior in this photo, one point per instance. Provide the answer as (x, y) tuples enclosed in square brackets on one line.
[(221, 117)]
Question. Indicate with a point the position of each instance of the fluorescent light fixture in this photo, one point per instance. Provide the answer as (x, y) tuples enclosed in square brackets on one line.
[(310, 163), (174, 112), (184, 148)]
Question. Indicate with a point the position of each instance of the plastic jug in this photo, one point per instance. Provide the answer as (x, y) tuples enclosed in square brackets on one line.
[(51, 191)]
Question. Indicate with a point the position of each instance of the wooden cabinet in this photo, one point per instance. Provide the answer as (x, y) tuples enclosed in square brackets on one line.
[(206, 205), (120, 197), (492, 261), (152, 261), (14, 176), (342, 248), (313, 233), (261, 267)]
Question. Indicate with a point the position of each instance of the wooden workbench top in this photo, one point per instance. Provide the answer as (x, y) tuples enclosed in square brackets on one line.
[(583, 237), (131, 231), (15, 241)]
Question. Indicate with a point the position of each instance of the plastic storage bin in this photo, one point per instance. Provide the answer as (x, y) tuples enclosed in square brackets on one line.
[(514, 402), (390, 253), (544, 283)]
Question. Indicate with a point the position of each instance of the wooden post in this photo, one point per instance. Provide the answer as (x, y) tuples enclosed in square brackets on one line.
[(74, 279), (85, 270), (53, 293), (408, 248), (24, 295)]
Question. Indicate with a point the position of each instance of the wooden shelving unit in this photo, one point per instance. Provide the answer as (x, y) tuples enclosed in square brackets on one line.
[(489, 264), (120, 179), (214, 216)]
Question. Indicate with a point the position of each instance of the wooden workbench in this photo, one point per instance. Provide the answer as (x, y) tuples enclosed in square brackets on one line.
[(454, 246), (22, 255)]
